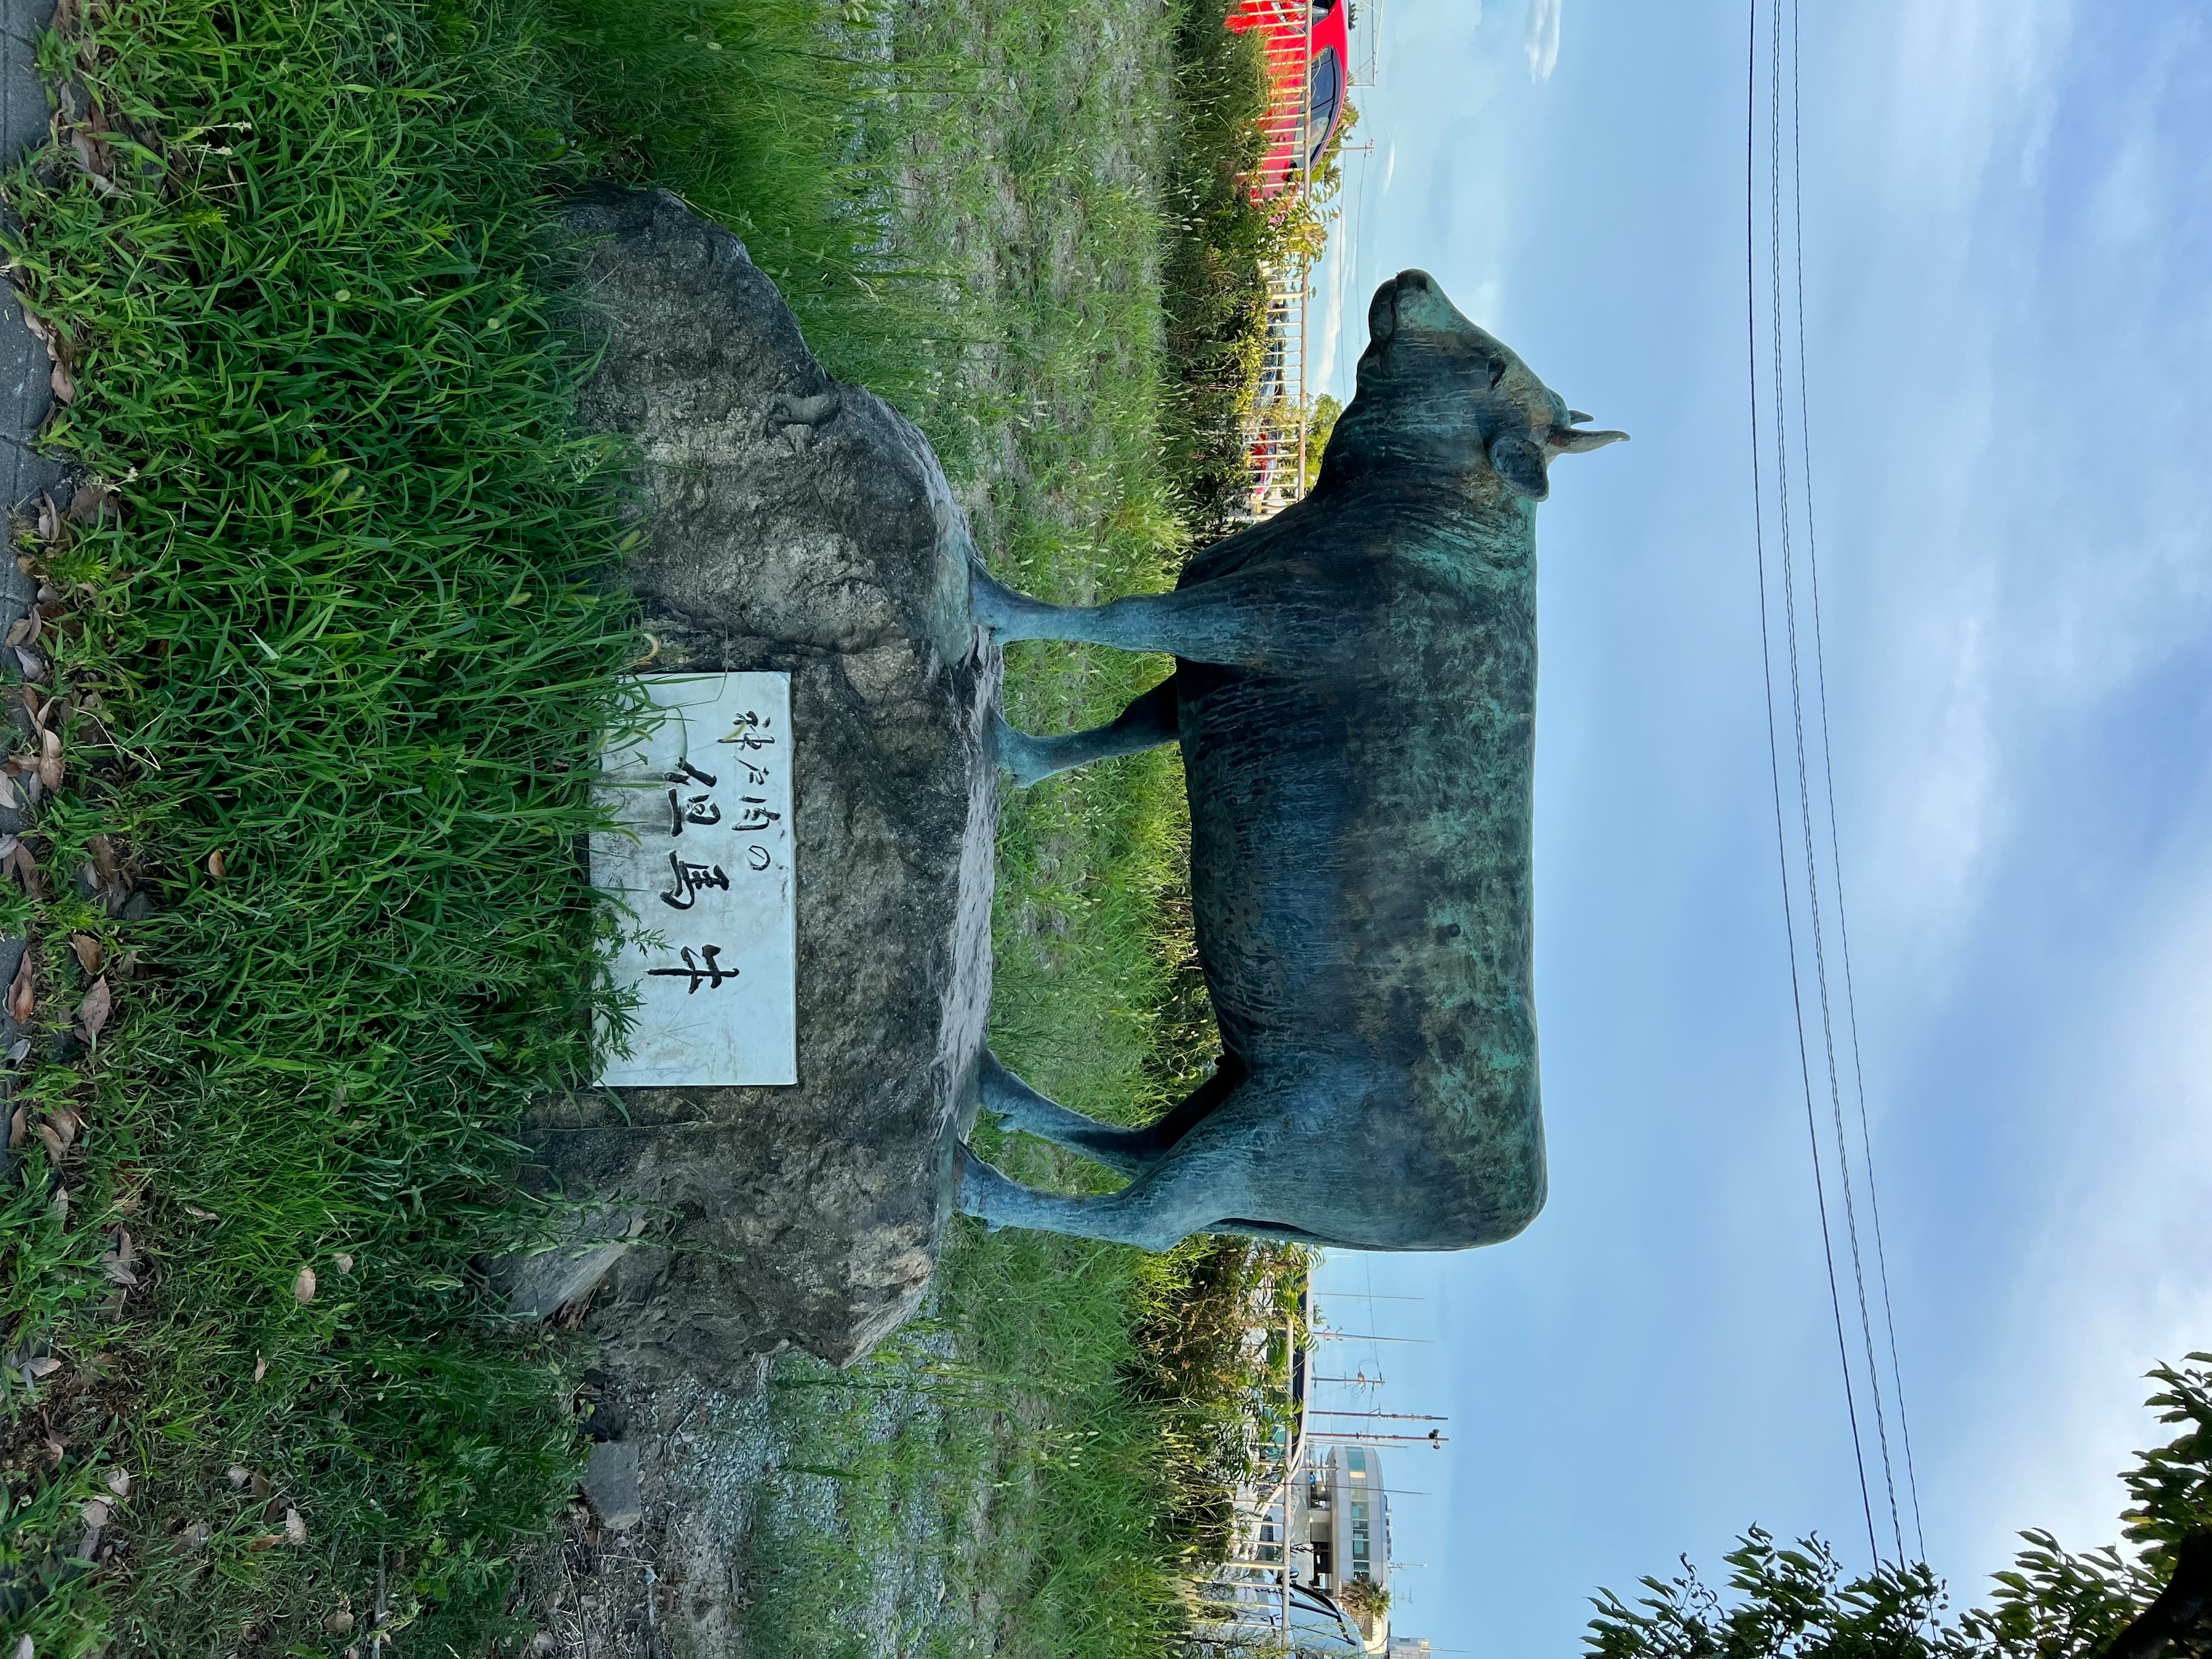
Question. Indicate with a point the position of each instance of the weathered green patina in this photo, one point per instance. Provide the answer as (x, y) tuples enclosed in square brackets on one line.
[(1355, 695)]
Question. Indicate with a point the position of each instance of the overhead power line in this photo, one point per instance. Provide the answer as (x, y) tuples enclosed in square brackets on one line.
[(1814, 908)]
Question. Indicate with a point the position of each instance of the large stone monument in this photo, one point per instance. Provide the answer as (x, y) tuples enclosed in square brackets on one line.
[(793, 527)]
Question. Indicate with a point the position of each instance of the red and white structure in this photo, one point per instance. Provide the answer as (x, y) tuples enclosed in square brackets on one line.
[(1308, 48)]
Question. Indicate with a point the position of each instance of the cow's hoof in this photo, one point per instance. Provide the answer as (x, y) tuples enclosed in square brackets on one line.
[(1016, 752), (997, 608), (977, 1185)]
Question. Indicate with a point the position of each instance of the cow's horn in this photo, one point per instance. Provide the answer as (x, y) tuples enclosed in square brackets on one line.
[(1570, 442)]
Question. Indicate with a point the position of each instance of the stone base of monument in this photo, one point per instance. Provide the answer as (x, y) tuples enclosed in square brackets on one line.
[(797, 526)]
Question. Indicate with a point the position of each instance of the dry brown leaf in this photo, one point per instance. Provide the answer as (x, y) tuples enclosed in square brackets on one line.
[(215, 865), (238, 1475), (18, 1129), (32, 664), (32, 788), (105, 861), (55, 1150), (66, 1124), (343, 1263), (93, 503), (198, 1214), (95, 1514), (56, 1449), (303, 1285), (26, 867), (295, 1529), (260, 1370), (258, 1485), (50, 766), (49, 518), (116, 1264), (22, 1000), (59, 379), (44, 1366), (92, 1012), (93, 157), (119, 1482), (268, 1540), (88, 951), (339, 1620), (59, 1205), (19, 631), (9, 798)]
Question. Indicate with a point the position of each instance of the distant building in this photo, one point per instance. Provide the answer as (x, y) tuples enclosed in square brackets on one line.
[(1409, 1647), (1339, 1527)]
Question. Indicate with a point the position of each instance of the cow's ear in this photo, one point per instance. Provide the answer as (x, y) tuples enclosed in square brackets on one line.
[(1519, 460)]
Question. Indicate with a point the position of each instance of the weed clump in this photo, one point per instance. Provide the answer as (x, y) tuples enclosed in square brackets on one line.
[(331, 677)]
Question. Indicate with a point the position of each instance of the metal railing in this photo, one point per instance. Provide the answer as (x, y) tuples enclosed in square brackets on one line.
[(1277, 431)]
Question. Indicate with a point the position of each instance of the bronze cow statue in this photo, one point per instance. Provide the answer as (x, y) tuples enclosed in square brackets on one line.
[(1354, 692)]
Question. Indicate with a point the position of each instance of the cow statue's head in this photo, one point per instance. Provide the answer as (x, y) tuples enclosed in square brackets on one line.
[(1437, 393)]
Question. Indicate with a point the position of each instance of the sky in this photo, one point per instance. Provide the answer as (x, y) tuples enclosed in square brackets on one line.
[(2007, 245)]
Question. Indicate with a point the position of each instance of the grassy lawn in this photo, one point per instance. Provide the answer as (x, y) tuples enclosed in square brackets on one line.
[(325, 690), (327, 686), (994, 1482)]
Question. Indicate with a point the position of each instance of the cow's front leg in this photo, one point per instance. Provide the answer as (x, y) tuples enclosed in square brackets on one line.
[(1251, 620), (1146, 723)]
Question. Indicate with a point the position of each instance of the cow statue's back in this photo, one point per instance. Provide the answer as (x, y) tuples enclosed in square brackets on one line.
[(1355, 695)]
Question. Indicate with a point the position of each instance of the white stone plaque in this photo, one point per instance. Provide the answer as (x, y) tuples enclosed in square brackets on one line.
[(707, 870)]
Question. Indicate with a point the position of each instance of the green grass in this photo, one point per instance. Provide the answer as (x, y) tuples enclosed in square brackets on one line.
[(961, 200), (1023, 1445), (999, 189), (1033, 1471), (343, 638)]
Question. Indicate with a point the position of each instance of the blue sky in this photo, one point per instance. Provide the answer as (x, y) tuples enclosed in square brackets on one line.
[(2008, 248)]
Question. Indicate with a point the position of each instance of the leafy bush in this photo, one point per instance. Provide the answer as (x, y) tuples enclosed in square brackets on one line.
[(1794, 1603)]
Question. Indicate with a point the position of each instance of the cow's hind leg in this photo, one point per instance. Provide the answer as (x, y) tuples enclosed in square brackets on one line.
[(1146, 723), (1127, 1151), (1211, 1175), (1156, 1211)]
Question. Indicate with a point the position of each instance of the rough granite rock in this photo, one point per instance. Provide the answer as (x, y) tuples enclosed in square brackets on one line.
[(793, 524)]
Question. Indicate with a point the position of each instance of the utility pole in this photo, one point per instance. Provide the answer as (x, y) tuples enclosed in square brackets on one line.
[(1371, 1296), (1361, 1437), (1401, 1417)]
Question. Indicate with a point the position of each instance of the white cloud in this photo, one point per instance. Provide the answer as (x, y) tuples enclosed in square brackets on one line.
[(1973, 84), (1543, 37), (2116, 1277)]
